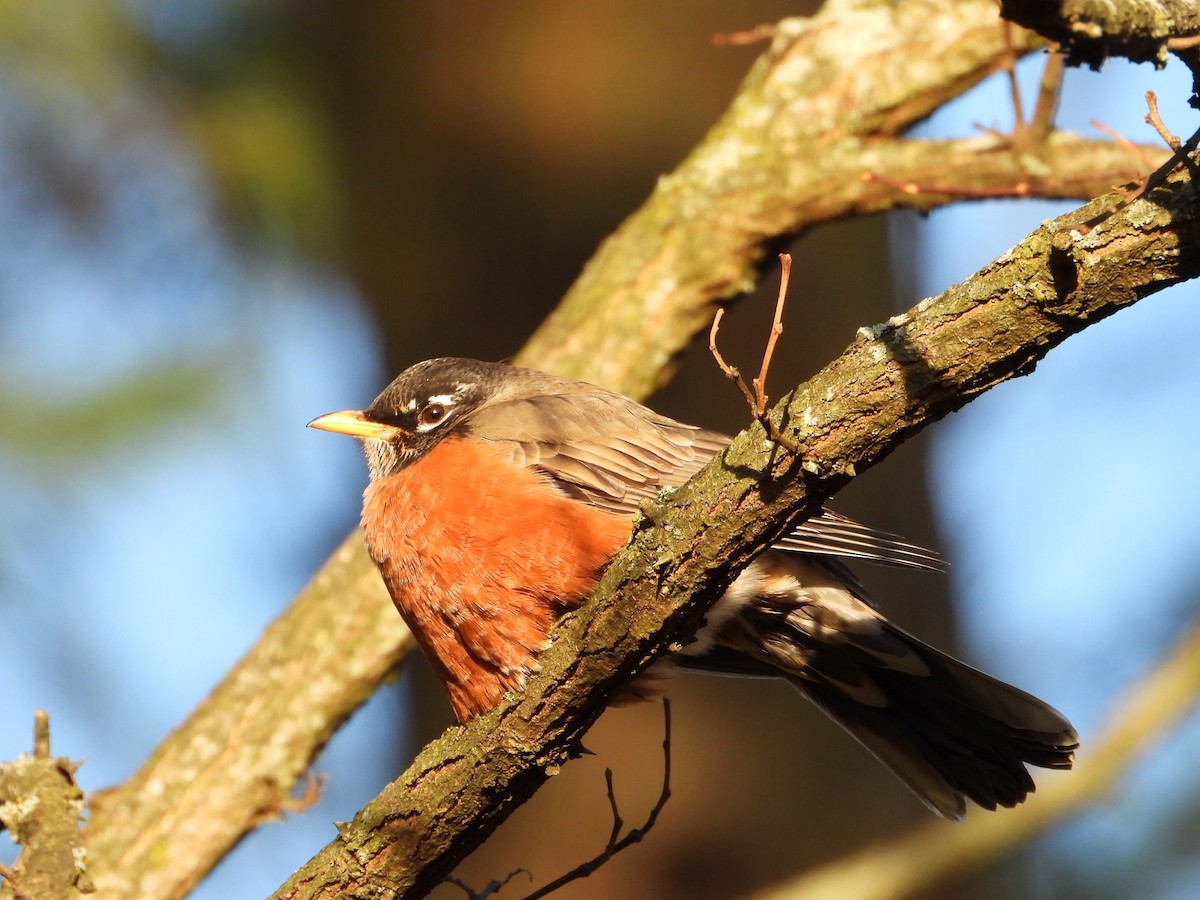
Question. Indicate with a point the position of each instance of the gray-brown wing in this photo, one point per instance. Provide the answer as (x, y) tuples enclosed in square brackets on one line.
[(617, 454), (598, 446)]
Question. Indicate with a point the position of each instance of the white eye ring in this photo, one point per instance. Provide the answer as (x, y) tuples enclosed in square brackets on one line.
[(433, 414)]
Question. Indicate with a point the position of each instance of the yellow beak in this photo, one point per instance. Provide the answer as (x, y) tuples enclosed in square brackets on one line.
[(355, 423)]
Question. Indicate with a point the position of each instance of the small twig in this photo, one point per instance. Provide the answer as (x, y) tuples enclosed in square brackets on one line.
[(1181, 155), (760, 383), (1020, 129), (912, 188), (490, 888), (1154, 120), (757, 399), (1049, 93), (41, 734), (1026, 132), (1183, 43), (1125, 143), (14, 882), (1022, 188), (730, 372), (310, 793), (617, 822), (1182, 152), (753, 35), (1036, 129), (616, 843)]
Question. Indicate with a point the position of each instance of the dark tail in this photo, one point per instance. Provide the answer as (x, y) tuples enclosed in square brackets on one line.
[(948, 731), (952, 734)]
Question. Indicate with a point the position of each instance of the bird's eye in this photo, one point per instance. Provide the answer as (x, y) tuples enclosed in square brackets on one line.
[(432, 414)]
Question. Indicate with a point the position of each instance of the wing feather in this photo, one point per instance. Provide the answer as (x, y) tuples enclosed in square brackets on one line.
[(615, 455)]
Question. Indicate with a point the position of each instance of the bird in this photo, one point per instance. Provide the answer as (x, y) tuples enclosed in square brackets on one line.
[(497, 494)]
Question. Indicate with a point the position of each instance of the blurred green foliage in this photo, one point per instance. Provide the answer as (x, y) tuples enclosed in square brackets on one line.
[(243, 95)]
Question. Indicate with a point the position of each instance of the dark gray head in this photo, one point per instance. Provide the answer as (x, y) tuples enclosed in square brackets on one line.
[(433, 400)]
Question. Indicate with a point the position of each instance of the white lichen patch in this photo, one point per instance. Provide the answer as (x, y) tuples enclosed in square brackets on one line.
[(14, 812), (873, 332), (1035, 166), (875, 347), (722, 157), (1141, 213)]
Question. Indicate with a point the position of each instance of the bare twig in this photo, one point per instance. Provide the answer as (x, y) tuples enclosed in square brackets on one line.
[(492, 887), (1154, 120), (14, 882), (764, 32), (1017, 183), (730, 372), (1183, 43), (310, 792), (1027, 132), (616, 843), (760, 383), (757, 398), (1021, 188), (1009, 65), (1129, 146), (1049, 93), (41, 734), (1181, 155)]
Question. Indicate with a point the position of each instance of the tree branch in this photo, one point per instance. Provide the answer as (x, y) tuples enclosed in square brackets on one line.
[(41, 806), (895, 379), (1091, 31), (822, 107)]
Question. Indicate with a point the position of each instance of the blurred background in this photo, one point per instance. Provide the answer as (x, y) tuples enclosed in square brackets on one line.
[(220, 219)]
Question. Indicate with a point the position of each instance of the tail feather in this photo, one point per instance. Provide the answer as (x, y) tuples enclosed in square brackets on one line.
[(953, 734), (948, 731)]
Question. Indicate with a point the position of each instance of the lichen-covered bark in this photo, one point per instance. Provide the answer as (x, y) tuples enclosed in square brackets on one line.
[(895, 379), (41, 806), (819, 111), (1091, 31)]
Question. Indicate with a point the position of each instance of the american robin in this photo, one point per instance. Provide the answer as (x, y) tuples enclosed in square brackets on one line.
[(497, 494)]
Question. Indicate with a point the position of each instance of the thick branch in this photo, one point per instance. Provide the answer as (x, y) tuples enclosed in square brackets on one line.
[(820, 109), (892, 381), (1091, 31), (923, 175)]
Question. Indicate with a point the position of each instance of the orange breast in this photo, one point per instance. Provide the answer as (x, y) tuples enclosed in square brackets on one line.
[(481, 557)]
